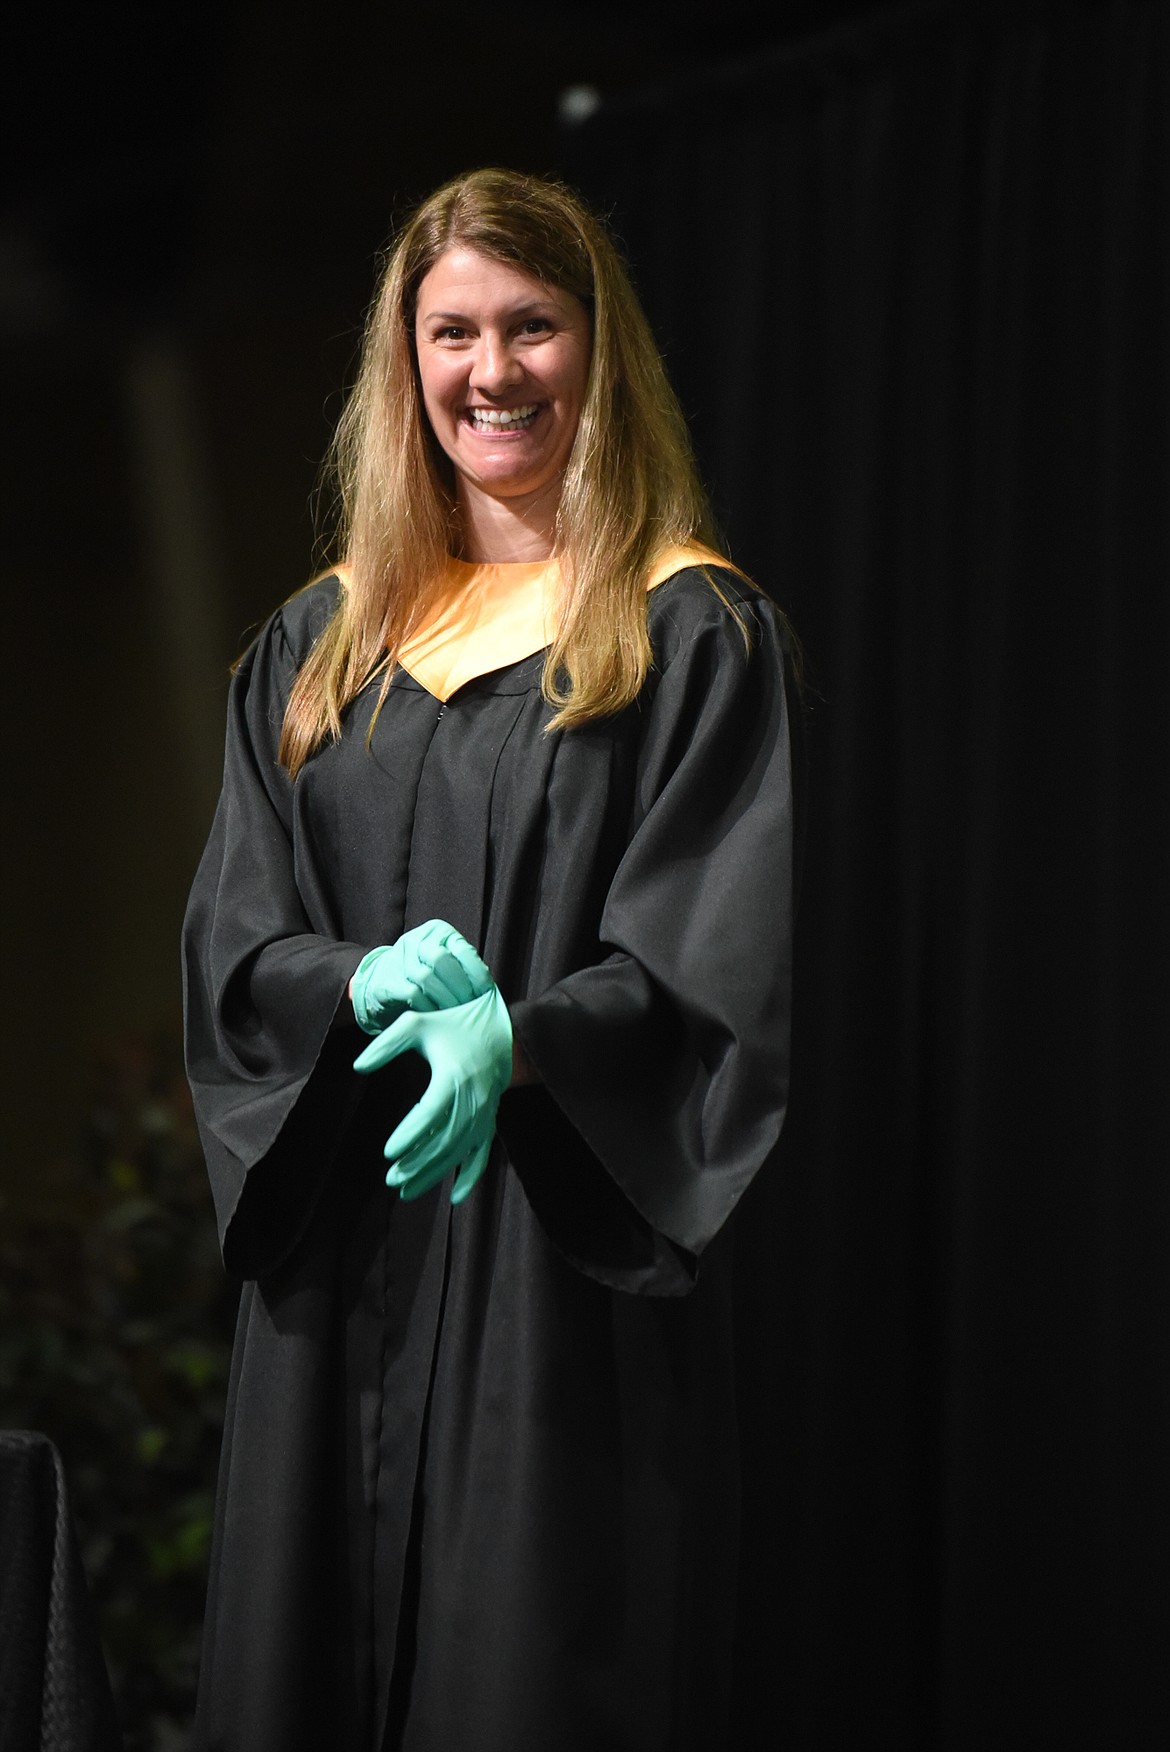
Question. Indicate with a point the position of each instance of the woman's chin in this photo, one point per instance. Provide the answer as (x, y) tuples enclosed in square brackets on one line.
[(511, 478)]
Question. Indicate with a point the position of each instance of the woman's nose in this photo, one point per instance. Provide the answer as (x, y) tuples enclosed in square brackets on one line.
[(496, 367)]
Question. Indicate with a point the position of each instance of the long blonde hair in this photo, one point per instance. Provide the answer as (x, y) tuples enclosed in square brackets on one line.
[(630, 487)]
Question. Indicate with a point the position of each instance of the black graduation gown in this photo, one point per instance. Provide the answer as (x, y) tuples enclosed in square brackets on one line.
[(479, 1477)]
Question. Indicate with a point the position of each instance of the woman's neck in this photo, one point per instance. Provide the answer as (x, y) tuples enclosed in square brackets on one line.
[(498, 531)]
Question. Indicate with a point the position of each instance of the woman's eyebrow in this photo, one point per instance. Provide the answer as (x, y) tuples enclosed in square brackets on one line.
[(534, 306)]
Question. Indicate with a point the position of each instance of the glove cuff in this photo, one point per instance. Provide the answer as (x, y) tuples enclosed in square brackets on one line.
[(369, 1020), (502, 1045)]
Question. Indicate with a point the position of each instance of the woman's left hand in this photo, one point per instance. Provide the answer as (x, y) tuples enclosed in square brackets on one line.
[(431, 967), (469, 1050)]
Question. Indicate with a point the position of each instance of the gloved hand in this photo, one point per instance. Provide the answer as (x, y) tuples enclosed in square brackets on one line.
[(429, 968), (469, 1050)]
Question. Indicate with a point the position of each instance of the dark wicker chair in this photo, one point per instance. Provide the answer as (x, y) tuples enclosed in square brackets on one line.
[(54, 1689)]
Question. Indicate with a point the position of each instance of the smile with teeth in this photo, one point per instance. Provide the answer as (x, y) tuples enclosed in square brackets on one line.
[(509, 419)]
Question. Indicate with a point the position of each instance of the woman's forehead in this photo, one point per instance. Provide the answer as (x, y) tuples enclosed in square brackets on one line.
[(463, 278)]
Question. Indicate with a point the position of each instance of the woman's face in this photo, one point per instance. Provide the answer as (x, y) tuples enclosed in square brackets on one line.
[(503, 361)]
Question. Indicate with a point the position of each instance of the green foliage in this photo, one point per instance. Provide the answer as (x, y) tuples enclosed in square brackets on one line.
[(115, 1340)]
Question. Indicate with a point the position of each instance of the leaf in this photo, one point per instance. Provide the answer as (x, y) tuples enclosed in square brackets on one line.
[(124, 1176), (150, 1444)]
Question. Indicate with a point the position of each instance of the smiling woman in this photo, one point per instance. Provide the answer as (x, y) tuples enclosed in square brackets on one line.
[(503, 362), (508, 793)]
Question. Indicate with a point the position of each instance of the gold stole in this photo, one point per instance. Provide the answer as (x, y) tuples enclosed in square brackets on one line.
[(489, 616)]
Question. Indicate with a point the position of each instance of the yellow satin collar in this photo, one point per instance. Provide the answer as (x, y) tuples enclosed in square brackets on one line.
[(489, 616)]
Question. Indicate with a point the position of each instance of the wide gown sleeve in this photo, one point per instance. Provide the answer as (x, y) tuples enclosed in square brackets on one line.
[(262, 987), (670, 1056)]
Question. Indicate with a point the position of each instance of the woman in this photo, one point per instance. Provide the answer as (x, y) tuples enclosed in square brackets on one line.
[(510, 791)]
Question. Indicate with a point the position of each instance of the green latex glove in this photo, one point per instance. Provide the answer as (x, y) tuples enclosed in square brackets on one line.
[(469, 1050), (429, 968)]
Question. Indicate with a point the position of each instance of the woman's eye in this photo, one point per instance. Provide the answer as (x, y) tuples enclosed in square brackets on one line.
[(535, 325), (451, 333)]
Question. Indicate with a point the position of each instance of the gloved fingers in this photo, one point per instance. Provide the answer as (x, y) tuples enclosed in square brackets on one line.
[(414, 971), (448, 976), (471, 1123), (421, 994), (454, 962), (434, 931), (431, 1158), (471, 1171), (446, 1129), (402, 1035), (441, 967), (474, 968), (415, 1185), (431, 1124)]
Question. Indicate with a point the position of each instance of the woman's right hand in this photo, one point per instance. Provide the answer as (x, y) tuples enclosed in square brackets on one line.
[(429, 968), (469, 1050)]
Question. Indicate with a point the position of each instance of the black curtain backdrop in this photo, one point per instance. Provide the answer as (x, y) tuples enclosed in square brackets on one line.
[(912, 283)]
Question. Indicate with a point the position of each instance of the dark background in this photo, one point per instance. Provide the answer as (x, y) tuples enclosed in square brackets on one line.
[(909, 267)]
